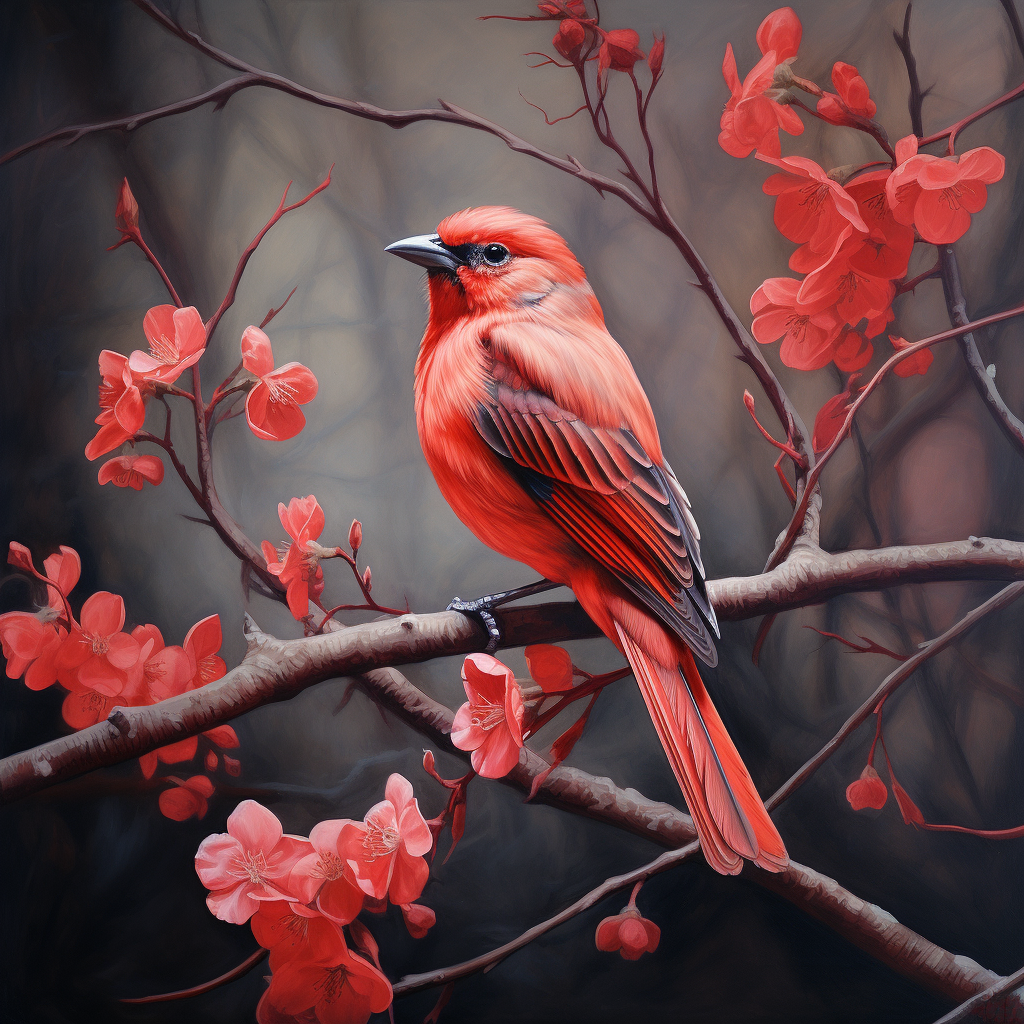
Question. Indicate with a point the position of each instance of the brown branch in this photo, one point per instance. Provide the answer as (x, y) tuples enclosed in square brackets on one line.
[(979, 1002), (208, 986), (418, 982), (276, 670)]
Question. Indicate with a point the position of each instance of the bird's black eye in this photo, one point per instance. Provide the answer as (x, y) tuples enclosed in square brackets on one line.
[(495, 254)]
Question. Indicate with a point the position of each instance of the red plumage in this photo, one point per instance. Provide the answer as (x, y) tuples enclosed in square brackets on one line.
[(543, 442)]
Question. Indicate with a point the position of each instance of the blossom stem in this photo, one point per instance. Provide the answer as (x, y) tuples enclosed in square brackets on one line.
[(954, 129), (909, 286), (141, 243)]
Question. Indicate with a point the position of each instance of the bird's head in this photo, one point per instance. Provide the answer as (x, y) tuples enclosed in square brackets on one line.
[(490, 257)]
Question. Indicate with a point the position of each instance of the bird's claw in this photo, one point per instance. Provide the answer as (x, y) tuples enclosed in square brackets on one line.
[(480, 609)]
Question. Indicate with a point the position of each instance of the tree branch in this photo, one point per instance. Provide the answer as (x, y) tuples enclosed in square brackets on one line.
[(275, 670)]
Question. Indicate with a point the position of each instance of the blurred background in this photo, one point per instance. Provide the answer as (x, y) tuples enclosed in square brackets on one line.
[(100, 899)]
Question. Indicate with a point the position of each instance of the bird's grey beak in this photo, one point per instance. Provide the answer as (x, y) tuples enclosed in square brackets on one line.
[(426, 251)]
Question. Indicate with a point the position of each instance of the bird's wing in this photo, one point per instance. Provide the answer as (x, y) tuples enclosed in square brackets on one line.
[(601, 486)]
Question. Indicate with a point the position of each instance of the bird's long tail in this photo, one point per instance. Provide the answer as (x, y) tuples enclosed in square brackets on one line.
[(731, 821)]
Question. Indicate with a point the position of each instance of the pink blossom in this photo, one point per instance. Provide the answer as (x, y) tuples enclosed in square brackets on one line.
[(272, 406), (132, 471), (490, 723), (249, 863), (324, 875), (298, 565), (387, 849), (122, 404), (177, 339)]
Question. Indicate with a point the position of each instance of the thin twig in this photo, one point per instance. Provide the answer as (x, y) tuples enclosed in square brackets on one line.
[(208, 986)]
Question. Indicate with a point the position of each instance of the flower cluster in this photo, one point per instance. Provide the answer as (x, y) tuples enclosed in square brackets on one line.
[(855, 227), (103, 666), (581, 38), (303, 896)]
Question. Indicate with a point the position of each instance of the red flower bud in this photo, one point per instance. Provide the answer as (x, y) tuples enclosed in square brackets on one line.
[(355, 536), (619, 51), (232, 766), (569, 38), (367, 578), (418, 919), (20, 556), (126, 216), (868, 791), (657, 54), (211, 761), (628, 933)]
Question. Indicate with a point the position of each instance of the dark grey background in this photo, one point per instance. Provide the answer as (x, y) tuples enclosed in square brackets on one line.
[(100, 898)]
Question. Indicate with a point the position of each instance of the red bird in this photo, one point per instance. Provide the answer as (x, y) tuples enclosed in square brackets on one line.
[(544, 444)]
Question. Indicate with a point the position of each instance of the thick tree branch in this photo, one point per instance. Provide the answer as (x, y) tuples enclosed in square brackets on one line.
[(276, 670)]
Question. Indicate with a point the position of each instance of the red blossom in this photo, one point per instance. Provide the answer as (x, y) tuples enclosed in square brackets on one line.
[(249, 863), (620, 50), (122, 404), (490, 723), (808, 339), (832, 415), (839, 284), (185, 799), (780, 32), (886, 250), (628, 933), (810, 207), (82, 708), (418, 919), (20, 557), (852, 352), (569, 38), (29, 642), (132, 471), (868, 791), (324, 875), (387, 848), (853, 96), (160, 671), (938, 194), (202, 642), (272, 406), (97, 656), (751, 119), (345, 989), (292, 932), (298, 565), (232, 766), (917, 363), (550, 667), (177, 340)]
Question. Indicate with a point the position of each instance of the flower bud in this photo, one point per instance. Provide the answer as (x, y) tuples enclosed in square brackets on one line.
[(657, 54), (355, 536), (126, 216), (367, 578)]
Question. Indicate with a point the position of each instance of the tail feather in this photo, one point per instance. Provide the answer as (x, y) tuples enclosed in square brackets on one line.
[(731, 821)]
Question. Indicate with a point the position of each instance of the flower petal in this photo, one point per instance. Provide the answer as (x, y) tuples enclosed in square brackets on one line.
[(255, 827)]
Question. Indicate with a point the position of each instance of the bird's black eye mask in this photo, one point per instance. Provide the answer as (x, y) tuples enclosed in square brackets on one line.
[(473, 254)]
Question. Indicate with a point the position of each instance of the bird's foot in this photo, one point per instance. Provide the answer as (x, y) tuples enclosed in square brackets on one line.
[(483, 607)]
